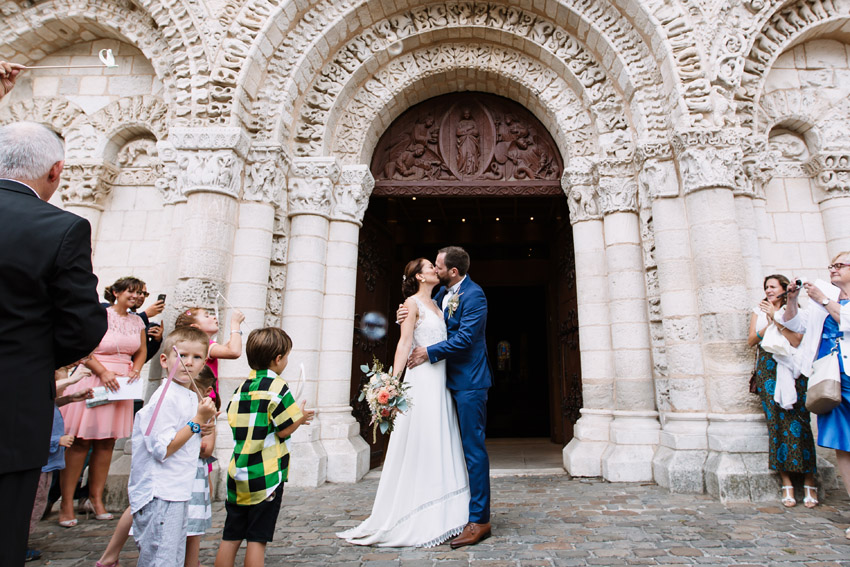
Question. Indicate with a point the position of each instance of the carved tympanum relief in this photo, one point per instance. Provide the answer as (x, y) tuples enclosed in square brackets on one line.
[(467, 137)]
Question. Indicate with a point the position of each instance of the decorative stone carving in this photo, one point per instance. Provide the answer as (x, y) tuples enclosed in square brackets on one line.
[(86, 184), (212, 171), (162, 31), (265, 176), (708, 159), (831, 171), (588, 73), (147, 110), (729, 62), (196, 292), (168, 173), (210, 139), (311, 183), (658, 178), (56, 112), (782, 28), (466, 137), (138, 163), (579, 182), (617, 194), (574, 119), (351, 193)]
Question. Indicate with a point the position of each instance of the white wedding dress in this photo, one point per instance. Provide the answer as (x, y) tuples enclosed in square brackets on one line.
[(423, 494)]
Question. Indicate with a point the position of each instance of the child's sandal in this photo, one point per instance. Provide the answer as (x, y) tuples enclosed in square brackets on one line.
[(788, 499), (810, 501)]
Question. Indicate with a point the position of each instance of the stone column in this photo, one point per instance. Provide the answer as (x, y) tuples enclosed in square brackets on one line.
[(348, 453), (84, 187), (736, 467), (831, 171), (680, 386), (310, 186), (583, 454), (634, 431), (209, 175)]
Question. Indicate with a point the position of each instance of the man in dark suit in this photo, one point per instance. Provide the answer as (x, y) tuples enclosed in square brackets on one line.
[(468, 378), (50, 315)]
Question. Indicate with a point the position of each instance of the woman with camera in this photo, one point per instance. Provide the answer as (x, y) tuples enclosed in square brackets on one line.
[(825, 323), (782, 394)]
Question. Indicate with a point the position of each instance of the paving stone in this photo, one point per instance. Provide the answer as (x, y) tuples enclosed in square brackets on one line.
[(586, 527)]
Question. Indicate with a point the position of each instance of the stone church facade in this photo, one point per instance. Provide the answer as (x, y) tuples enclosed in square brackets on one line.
[(702, 144)]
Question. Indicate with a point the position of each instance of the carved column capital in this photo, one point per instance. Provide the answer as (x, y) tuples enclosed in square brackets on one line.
[(168, 173), (265, 175), (708, 159), (831, 172), (87, 183), (210, 171), (351, 193), (310, 186), (658, 178), (617, 194), (579, 183)]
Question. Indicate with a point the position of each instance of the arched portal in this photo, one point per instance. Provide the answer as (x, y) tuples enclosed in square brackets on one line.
[(479, 171)]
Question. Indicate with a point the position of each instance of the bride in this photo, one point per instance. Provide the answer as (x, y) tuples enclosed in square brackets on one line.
[(423, 494)]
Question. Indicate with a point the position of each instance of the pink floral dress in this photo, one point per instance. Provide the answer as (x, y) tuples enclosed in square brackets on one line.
[(115, 352)]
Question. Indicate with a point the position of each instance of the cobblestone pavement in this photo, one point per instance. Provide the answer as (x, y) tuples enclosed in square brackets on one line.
[(537, 521)]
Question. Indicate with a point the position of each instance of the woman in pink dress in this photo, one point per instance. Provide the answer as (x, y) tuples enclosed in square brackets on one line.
[(121, 352)]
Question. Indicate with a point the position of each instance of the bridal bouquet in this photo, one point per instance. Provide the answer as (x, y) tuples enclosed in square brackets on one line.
[(386, 396)]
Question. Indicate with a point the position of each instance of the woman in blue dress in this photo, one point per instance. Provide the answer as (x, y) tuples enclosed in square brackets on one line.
[(825, 323)]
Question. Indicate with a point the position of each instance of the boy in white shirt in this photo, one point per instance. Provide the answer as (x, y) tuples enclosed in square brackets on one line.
[(164, 463)]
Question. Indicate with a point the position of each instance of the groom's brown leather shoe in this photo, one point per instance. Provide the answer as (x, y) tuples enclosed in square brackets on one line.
[(472, 534)]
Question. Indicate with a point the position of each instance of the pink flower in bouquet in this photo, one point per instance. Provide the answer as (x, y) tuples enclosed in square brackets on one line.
[(385, 412), (383, 396)]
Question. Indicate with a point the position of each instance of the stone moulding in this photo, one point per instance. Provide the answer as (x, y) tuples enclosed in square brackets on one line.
[(831, 171), (779, 29), (617, 34), (86, 184)]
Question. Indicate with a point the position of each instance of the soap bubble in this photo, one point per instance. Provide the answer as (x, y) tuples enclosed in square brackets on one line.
[(373, 326), (394, 48)]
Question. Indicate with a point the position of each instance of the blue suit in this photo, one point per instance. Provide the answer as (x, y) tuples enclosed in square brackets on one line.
[(468, 378)]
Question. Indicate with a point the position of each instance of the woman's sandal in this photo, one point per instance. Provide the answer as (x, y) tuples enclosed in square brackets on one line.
[(810, 501), (847, 533), (788, 499), (68, 523)]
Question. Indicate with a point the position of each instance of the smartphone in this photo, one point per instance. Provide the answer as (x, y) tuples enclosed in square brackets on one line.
[(161, 297)]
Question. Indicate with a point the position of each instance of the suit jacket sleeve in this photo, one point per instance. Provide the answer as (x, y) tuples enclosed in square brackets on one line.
[(79, 319), (473, 318)]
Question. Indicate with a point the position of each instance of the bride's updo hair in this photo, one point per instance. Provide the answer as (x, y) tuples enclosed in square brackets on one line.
[(409, 283)]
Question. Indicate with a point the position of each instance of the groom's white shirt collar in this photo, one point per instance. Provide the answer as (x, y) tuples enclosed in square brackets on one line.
[(453, 290)]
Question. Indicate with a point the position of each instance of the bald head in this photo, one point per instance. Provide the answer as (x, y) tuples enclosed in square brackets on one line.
[(33, 154)]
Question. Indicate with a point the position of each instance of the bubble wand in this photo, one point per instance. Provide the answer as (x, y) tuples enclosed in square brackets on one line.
[(106, 57)]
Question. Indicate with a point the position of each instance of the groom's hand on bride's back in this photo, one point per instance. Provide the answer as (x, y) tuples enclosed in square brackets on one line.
[(401, 314), (417, 357)]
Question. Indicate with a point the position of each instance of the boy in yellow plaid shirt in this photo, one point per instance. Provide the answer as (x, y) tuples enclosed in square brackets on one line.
[(262, 414)]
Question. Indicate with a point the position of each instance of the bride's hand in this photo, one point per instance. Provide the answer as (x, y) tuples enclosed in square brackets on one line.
[(401, 314)]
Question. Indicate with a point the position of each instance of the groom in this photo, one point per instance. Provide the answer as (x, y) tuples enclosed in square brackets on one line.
[(467, 378)]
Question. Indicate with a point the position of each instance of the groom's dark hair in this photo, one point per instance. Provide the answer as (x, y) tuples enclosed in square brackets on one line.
[(456, 257)]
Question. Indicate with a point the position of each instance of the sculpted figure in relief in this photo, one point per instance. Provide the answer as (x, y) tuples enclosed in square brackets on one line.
[(468, 147)]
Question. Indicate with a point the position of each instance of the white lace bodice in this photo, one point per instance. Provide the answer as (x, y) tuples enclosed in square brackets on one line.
[(430, 327)]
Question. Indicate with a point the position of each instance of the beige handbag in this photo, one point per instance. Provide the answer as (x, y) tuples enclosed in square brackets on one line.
[(824, 391)]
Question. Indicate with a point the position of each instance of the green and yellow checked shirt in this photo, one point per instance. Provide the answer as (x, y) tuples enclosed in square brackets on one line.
[(262, 406)]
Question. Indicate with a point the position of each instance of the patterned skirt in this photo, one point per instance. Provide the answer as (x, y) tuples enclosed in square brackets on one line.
[(792, 445)]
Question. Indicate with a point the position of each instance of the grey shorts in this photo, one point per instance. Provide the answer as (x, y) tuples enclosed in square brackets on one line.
[(159, 529)]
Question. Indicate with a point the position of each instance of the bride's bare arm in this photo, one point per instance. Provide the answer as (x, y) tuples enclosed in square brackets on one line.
[(406, 340)]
